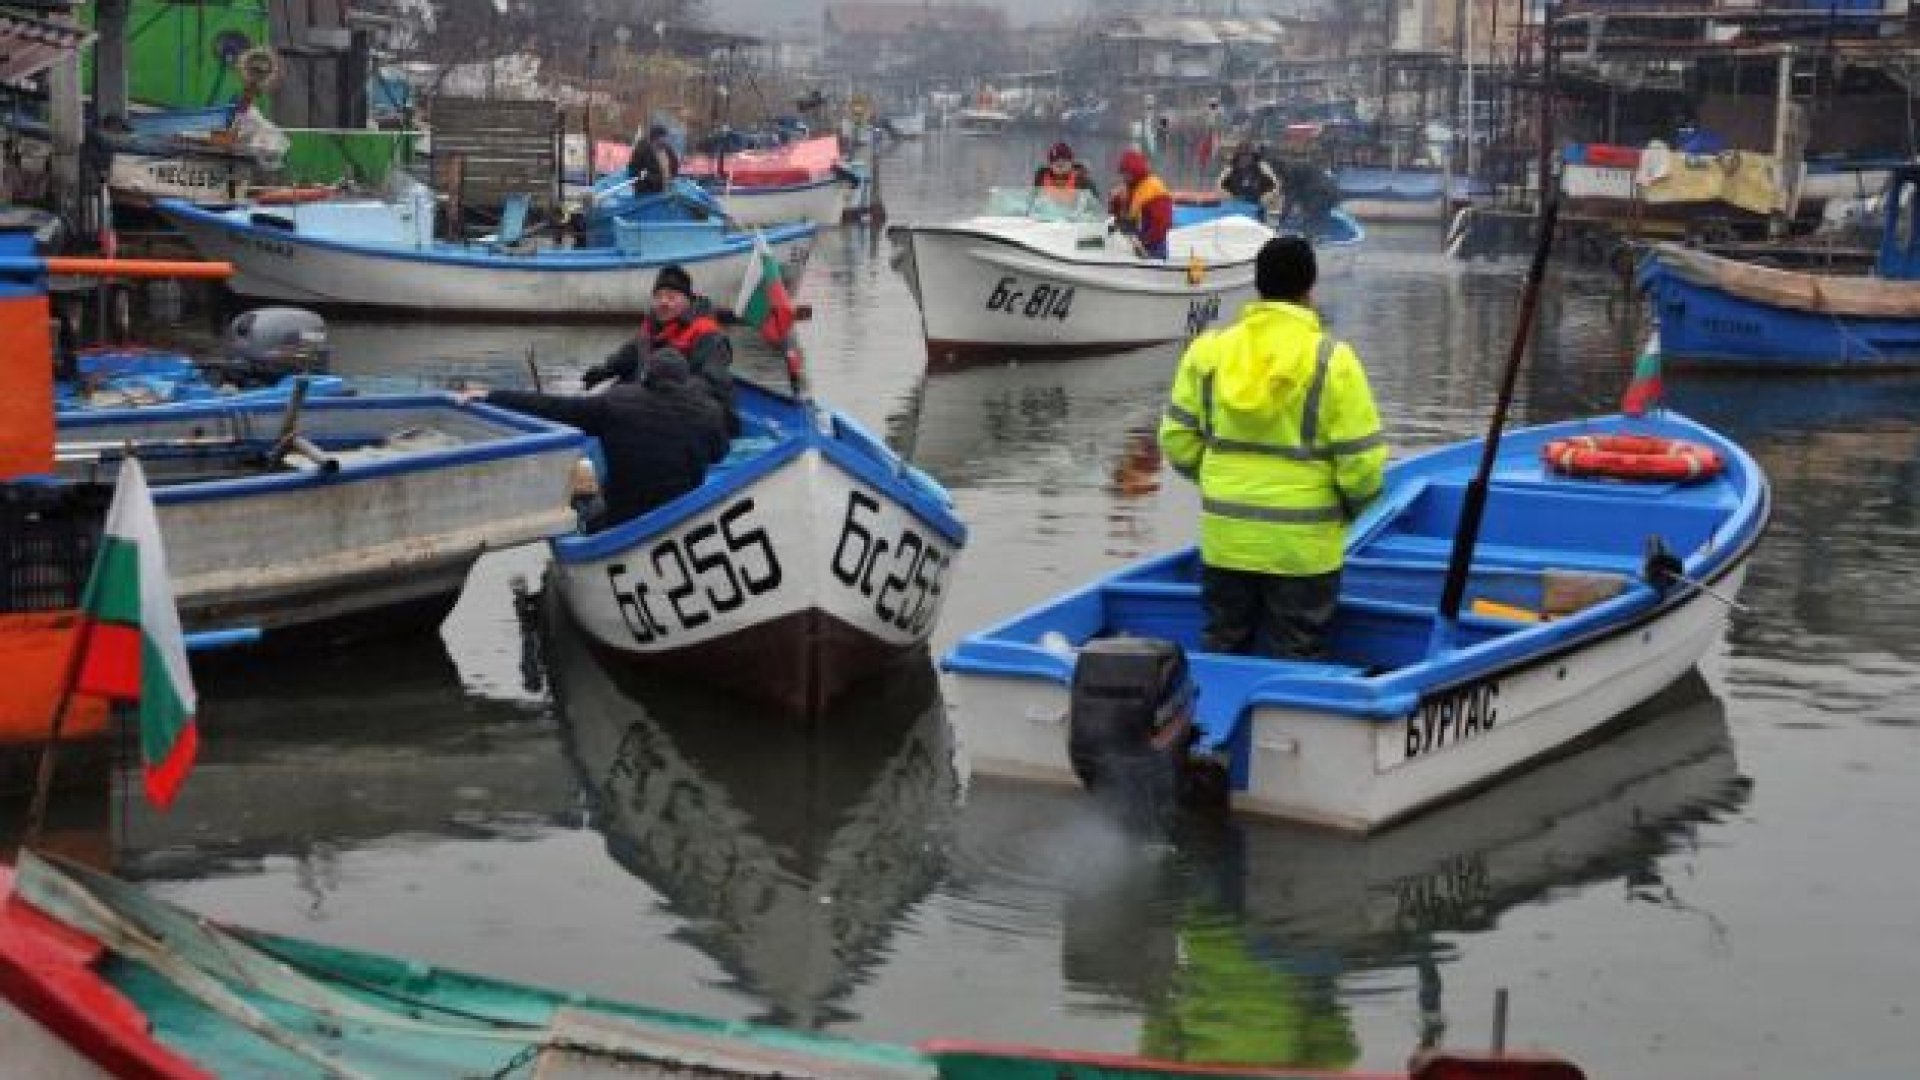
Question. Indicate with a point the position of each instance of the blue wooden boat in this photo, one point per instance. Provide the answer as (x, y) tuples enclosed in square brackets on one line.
[(1575, 616), (109, 378), (1715, 311), (380, 254), (812, 557)]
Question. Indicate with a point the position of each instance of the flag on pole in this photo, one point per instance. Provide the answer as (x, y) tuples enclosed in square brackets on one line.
[(763, 300), (133, 649), (1645, 391)]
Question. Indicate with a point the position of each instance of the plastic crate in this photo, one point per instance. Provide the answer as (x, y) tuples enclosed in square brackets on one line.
[(49, 533)]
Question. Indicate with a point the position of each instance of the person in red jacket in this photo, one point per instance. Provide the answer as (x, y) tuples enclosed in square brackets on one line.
[(1142, 206), (679, 322)]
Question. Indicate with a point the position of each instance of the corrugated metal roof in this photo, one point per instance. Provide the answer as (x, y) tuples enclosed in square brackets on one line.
[(29, 46)]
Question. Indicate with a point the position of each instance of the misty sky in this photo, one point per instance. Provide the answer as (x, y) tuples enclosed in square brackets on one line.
[(740, 13)]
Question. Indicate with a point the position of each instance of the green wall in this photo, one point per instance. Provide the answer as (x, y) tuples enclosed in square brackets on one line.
[(173, 49)]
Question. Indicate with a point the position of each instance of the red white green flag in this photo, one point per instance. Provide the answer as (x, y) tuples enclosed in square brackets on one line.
[(763, 300), (1645, 391), (134, 650)]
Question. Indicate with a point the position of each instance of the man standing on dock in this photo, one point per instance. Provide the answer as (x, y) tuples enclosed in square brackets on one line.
[(1275, 420)]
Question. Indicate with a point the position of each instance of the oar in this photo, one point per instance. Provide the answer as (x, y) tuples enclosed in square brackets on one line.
[(1474, 507)]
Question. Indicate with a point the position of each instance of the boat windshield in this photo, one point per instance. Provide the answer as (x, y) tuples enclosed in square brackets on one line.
[(1032, 202)]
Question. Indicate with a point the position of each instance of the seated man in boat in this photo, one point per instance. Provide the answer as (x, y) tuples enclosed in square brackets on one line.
[(1275, 420), (1062, 178), (681, 323), (653, 164), (1142, 206), (1250, 179), (658, 436)]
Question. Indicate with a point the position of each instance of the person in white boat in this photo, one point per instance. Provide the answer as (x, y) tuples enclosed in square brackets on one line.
[(1142, 206), (1063, 178), (681, 323), (658, 436), (1274, 418), (653, 164), (1250, 179)]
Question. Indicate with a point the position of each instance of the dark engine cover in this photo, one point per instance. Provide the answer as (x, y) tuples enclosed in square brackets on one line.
[(1126, 692)]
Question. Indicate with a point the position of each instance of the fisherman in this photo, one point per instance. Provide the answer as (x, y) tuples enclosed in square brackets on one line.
[(1142, 207), (1273, 417), (659, 436), (679, 323), (1062, 178), (1249, 179), (653, 164)]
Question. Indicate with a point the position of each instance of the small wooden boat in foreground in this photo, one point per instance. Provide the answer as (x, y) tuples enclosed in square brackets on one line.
[(808, 559), (1577, 612), (97, 977)]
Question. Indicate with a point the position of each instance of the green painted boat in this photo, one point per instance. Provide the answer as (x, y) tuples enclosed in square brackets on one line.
[(93, 970)]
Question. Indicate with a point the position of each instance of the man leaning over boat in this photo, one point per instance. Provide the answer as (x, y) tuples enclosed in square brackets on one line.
[(1274, 419), (1142, 206), (682, 323)]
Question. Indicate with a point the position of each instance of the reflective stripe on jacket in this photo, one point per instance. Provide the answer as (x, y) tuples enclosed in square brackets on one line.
[(1275, 420)]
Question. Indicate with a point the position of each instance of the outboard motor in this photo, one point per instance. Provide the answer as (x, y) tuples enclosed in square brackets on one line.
[(1129, 724), (267, 344)]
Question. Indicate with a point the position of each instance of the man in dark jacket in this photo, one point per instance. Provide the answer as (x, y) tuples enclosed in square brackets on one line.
[(679, 323), (653, 164), (658, 436)]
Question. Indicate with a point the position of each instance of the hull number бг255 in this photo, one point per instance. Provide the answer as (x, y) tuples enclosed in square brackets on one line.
[(685, 580), (897, 570), (1044, 301)]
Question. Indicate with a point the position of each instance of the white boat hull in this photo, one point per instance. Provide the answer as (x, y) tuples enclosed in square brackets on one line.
[(986, 295), (292, 268), (1356, 774), (792, 587), (821, 203)]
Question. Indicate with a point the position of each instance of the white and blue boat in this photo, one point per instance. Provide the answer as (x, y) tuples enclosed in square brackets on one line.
[(1573, 611), (1715, 311), (1405, 194), (1337, 238), (811, 558), (381, 254), (129, 377)]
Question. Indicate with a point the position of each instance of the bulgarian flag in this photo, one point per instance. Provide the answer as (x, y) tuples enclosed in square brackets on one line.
[(763, 300), (1645, 391), (132, 649)]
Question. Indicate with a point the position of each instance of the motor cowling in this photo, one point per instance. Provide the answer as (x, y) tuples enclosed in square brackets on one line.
[(1129, 724), (266, 344)]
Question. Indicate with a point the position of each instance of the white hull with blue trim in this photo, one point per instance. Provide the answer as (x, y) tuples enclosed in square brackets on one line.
[(812, 557), (1389, 725), (821, 201), (1004, 284), (420, 487), (377, 255)]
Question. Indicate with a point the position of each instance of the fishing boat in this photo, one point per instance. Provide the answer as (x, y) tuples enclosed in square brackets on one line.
[(1035, 276), (1716, 311), (812, 557), (382, 254), (798, 195), (906, 125), (1404, 194), (1585, 596), (97, 976), (1337, 238), (982, 120)]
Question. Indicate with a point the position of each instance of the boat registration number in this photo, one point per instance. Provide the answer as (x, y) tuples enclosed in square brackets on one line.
[(686, 579), (1043, 301), (1441, 721), (897, 570)]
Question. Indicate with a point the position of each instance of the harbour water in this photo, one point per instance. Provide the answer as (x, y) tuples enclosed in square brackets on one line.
[(1721, 891)]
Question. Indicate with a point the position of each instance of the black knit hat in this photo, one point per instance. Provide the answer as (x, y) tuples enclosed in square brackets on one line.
[(1286, 269), (672, 276)]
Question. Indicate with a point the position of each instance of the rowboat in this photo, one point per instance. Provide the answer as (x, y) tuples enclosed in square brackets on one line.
[(1336, 239), (812, 557), (1407, 194), (1588, 595), (1033, 276), (982, 120), (1722, 312), (97, 977), (768, 198), (378, 254), (395, 499)]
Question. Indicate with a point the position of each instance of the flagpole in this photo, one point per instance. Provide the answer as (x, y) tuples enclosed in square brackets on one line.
[(49, 752)]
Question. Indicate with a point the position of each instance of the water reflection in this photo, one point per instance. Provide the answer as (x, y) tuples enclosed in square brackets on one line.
[(307, 782), (790, 853), (1233, 944)]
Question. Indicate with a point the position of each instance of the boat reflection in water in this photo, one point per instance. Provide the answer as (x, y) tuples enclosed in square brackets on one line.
[(1235, 944), (791, 852), (421, 756)]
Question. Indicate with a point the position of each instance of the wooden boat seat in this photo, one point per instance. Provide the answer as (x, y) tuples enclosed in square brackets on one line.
[(1437, 550)]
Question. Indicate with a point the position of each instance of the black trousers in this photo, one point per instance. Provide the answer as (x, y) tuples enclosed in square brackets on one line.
[(1268, 614)]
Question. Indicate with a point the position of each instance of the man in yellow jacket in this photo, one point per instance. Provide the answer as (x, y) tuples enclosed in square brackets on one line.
[(1273, 417)]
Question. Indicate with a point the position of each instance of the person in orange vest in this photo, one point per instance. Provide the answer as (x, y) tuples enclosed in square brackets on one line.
[(1142, 207), (1062, 178), (683, 323)]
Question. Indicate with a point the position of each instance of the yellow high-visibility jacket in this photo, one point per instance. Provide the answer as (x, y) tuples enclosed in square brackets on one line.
[(1275, 420)]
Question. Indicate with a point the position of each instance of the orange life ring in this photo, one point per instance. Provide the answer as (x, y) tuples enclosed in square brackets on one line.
[(1633, 457)]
